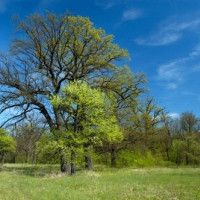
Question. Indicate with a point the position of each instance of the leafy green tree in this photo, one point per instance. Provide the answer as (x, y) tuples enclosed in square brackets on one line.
[(48, 149), (185, 132), (7, 144), (27, 134), (126, 89), (189, 123), (144, 122), (50, 52), (91, 118)]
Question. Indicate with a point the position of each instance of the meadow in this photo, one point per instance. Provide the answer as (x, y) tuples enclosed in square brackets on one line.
[(45, 182)]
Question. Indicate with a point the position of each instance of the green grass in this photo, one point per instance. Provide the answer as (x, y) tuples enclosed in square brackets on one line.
[(45, 183)]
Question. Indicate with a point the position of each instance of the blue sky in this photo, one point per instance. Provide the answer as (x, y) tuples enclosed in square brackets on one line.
[(162, 37)]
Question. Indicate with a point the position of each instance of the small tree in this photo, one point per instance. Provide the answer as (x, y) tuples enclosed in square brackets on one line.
[(90, 116), (7, 144)]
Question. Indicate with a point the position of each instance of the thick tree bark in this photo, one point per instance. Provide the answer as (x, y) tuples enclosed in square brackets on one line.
[(88, 158), (64, 164)]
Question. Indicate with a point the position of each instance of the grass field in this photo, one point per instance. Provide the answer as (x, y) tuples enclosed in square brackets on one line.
[(41, 182)]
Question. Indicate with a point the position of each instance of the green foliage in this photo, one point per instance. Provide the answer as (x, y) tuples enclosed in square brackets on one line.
[(186, 151), (7, 143), (48, 150), (79, 48), (128, 158), (90, 113), (102, 159)]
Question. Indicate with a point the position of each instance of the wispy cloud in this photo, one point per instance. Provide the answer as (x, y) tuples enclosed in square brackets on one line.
[(174, 72), (174, 115), (172, 86), (159, 39), (170, 31), (106, 4), (131, 14), (171, 73), (193, 94)]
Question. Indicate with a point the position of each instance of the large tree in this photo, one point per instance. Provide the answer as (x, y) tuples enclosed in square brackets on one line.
[(126, 88), (90, 115), (50, 51)]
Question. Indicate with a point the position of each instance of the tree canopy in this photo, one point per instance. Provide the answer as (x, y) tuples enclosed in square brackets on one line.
[(50, 52), (7, 144)]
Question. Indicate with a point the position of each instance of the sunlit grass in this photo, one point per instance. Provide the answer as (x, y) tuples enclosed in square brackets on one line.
[(46, 182)]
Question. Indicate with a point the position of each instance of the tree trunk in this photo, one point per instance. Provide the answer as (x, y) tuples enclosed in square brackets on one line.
[(34, 157), (73, 165), (187, 159), (13, 160), (167, 152), (64, 164), (187, 152), (88, 158), (27, 156), (113, 156), (2, 159)]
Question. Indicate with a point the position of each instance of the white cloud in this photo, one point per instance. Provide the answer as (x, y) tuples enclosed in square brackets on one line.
[(170, 31), (174, 115), (171, 72), (159, 39), (107, 4), (174, 72), (172, 86), (131, 14)]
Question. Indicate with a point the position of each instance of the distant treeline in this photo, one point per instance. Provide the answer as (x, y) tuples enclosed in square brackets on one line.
[(166, 143)]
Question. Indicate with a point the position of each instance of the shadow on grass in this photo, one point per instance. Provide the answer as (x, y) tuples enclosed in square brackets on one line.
[(37, 170), (31, 170)]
